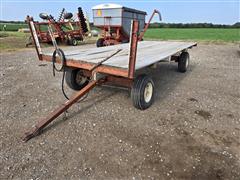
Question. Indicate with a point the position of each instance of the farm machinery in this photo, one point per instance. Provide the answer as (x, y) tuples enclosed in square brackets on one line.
[(115, 23), (120, 65), (65, 29)]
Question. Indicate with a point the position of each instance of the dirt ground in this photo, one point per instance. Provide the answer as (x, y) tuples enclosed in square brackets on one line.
[(192, 131)]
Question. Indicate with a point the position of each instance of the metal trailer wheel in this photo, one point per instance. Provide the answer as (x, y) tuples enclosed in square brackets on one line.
[(142, 93), (100, 42), (75, 79), (73, 42), (183, 62)]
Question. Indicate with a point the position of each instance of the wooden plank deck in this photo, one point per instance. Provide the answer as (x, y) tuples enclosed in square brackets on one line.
[(149, 52)]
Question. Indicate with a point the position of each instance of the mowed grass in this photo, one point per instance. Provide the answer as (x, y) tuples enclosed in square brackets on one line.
[(197, 34), (10, 41)]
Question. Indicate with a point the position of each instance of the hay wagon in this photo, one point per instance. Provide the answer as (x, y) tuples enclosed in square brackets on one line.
[(86, 68)]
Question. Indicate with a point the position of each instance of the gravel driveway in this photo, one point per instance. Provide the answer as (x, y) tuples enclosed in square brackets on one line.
[(192, 131)]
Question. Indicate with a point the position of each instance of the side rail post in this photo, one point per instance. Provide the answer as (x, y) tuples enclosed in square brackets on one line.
[(133, 48), (147, 25), (34, 37)]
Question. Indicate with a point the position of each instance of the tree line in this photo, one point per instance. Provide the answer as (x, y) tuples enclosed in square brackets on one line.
[(193, 25), (12, 22)]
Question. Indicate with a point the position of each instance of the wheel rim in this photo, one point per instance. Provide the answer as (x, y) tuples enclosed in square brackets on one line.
[(80, 79), (148, 92), (187, 62), (74, 42)]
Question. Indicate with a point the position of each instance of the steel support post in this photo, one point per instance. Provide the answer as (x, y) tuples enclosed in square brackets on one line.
[(133, 48)]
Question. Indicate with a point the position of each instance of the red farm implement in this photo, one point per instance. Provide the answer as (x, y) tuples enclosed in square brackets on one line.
[(115, 23), (66, 30)]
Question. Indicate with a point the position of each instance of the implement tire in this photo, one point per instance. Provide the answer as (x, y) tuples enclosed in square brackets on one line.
[(72, 42), (100, 42), (75, 79), (142, 93), (183, 62)]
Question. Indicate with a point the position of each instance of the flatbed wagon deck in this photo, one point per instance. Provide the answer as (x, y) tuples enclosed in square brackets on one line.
[(149, 52)]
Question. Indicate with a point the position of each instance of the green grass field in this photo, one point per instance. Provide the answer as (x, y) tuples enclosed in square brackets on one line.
[(12, 27), (197, 34), (10, 41)]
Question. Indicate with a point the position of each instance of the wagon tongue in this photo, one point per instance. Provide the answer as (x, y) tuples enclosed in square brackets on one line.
[(58, 111), (30, 134)]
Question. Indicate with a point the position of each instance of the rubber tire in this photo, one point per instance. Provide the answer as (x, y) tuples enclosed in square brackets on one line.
[(100, 42), (70, 79), (73, 42), (68, 15), (137, 92), (182, 62)]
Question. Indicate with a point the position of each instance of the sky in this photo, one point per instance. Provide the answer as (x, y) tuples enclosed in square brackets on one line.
[(173, 11)]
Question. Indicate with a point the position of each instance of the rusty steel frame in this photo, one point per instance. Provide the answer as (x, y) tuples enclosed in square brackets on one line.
[(45, 37), (133, 50), (62, 35), (111, 75), (113, 40), (119, 81), (120, 37), (88, 66)]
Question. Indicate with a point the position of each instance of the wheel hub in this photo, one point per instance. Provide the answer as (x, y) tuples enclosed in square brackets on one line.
[(80, 79), (148, 91)]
